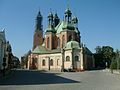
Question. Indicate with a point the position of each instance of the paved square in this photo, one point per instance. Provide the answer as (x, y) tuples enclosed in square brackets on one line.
[(39, 80)]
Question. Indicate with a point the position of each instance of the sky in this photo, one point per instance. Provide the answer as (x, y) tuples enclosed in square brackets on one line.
[(99, 21)]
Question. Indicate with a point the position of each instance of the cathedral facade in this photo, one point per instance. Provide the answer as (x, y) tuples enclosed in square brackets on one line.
[(2, 47), (5, 52), (60, 48)]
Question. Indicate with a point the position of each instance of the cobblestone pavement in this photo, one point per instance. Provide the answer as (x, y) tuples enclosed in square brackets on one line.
[(39, 80)]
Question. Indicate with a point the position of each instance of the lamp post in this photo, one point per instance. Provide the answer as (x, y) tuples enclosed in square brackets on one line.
[(62, 51), (4, 64), (117, 59), (49, 63)]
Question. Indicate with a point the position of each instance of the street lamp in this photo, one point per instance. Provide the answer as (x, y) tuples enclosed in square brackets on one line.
[(118, 62), (62, 51)]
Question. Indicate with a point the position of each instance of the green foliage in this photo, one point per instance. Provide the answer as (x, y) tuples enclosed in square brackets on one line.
[(107, 52), (115, 63), (103, 55), (98, 49)]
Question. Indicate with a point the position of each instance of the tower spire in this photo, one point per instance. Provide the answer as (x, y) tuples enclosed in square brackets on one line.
[(39, 22), (67, 3), (68, 13), (38, 34)]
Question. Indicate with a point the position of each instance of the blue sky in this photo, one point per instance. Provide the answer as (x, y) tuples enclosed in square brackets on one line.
[(99, 21)]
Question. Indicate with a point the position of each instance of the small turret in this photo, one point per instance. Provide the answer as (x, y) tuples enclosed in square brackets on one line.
[(68, 15), (74, 20), (56, 20), (50, 20)]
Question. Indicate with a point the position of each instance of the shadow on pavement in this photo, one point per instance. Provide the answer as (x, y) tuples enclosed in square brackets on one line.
[(28, 77)]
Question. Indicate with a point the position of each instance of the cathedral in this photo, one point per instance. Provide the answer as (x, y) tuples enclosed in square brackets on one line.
[(60, 48), (6, 54)]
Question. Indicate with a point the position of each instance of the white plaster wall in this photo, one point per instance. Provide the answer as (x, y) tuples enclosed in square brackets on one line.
[(77, 64), (68, 64), (48, 57), (81, 59)]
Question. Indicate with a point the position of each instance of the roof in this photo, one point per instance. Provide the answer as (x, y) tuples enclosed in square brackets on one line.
[(68, 25), (64, 25), (67, 11), (50, 29), (77, 31), (2, 36), (87, 51), (43, 50), (58, 28), (72, 44)]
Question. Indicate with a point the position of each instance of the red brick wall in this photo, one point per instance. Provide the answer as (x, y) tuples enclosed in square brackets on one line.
[(37, 39)]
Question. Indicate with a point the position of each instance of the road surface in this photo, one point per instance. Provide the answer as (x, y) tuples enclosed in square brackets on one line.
[(41, 80)]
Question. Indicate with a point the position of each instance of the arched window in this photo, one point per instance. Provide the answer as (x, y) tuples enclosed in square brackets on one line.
[(34, 63), (76, 58), (34, 60), (58, 42), (43, 62), (58, 62), (67, 58), (63, 40), (48, 42), (70, 38), (51, 62)]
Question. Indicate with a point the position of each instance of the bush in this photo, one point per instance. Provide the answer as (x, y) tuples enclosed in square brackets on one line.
[(114, 63)]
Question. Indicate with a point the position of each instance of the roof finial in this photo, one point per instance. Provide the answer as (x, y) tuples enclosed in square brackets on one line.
[(39, 8), (39, 13), (68, 4), (50, 10)]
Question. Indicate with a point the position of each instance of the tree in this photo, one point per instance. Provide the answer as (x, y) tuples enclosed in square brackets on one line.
[(115, 64), (103, 56), (98, 57), (98, 49), (108, 54)]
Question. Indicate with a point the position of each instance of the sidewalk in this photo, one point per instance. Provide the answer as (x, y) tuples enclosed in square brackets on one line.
[(114, 71)]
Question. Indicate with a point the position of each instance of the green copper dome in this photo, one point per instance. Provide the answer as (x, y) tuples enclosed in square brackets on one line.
[(50, 15), (77, 31), (74, 20), (64, 25), (50, 30), (67, 11), (68, 25), (72, 44)]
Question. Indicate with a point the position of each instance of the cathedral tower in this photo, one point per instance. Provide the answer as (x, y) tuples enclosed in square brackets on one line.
[(38, 33)]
